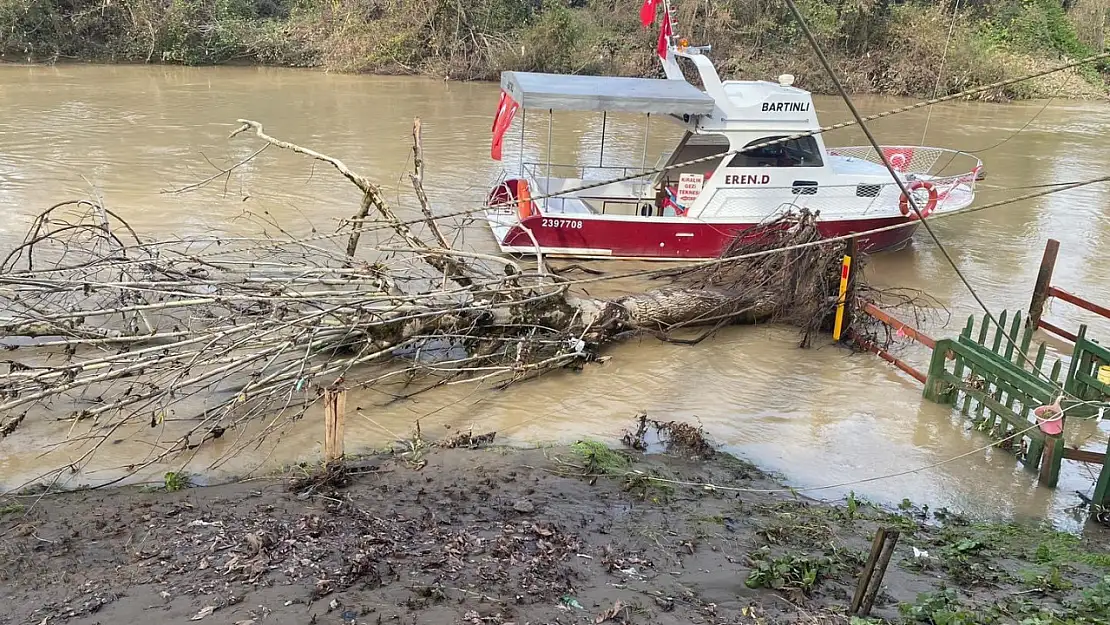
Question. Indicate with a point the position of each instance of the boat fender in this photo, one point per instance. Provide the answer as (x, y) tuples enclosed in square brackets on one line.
[(930, 205), (646, 210), (524, 204)]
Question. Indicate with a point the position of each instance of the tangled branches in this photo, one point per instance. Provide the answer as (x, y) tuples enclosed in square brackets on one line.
[(198, 337)]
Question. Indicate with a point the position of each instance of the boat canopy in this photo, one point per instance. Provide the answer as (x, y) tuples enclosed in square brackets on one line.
[(605, 93)]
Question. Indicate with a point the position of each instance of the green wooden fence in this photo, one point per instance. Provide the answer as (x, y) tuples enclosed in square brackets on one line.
[(1083, 383), (997, 385), (994, 383), (1087, 358)]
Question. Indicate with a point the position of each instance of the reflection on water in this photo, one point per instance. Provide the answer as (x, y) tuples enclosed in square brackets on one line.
[(132, 135)]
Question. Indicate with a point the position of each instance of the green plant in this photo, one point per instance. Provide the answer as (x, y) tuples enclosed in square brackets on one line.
[(1050, 581), (174, 481), (1094, 601), (787, 572), (12, 508), (939, 608), (647, 486), (599, 459)]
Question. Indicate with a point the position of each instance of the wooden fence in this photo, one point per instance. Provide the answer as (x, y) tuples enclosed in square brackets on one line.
[(993, 380)]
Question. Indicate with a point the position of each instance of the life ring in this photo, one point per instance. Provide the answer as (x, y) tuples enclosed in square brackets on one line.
[(904, 202), (524, 205)]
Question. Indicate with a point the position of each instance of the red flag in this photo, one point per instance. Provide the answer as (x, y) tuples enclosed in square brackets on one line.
[(505, 112), (500, 110), (647, 12), (665, 33), (899, 158)]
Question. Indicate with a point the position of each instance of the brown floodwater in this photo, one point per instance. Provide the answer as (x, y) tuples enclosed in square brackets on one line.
[(131, 135)]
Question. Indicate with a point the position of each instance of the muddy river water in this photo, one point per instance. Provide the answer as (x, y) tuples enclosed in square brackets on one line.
[(128, 135)]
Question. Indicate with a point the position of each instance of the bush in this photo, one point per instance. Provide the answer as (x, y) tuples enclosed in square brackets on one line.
[(887, 46)]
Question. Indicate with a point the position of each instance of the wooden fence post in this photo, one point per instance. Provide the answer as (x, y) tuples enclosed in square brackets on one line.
[(335, 404), (1051, 460), (871, 580), (1044, 280)]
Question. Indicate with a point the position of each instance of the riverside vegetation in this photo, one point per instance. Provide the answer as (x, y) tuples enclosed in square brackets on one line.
[(894, 47)]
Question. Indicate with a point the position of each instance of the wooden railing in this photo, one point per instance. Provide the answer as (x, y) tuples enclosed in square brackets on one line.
[(1043, 290), (909, 331)]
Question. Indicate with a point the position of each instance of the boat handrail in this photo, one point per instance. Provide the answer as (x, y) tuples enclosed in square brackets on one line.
[(540, 170), (913, 159)]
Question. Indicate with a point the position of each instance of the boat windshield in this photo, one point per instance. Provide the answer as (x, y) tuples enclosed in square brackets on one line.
[(800, 152), (694, 147)]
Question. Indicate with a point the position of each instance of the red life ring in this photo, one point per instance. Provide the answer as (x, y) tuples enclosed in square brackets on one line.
[(904, 202)]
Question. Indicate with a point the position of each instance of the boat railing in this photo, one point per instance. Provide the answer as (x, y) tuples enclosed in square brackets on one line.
[(581, 172), (912, 159), (945, 169)]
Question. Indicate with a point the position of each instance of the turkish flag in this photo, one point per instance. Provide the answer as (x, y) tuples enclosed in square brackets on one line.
[(506, 109), (647, 12), (665, 33), (500, 109), (899, 158)]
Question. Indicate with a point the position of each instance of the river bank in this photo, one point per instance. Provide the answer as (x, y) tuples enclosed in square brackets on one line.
[(556, 535), (914, 48)]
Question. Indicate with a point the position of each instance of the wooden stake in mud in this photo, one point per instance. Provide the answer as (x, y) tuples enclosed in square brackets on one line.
[(335, 404), (869, 583), (1044, 280), (845, 269)]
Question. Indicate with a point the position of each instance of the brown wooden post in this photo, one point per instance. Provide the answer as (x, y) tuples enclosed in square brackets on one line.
[(1051, 459), (335, 404), (871, 580), (877, 579), (868, 571), (1044, 280)]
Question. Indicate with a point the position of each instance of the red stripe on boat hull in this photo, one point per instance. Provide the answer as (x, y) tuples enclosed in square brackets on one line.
[(670, 239)]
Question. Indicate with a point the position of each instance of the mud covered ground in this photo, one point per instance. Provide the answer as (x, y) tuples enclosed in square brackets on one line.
[(495, 536)]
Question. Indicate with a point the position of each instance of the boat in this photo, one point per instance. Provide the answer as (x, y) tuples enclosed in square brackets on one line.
[(751, 152)]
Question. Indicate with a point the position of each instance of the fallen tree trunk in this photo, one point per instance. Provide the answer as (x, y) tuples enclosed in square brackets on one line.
[(263, 327)]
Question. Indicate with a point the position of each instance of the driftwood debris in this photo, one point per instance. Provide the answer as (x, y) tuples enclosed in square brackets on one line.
[(112, 328)]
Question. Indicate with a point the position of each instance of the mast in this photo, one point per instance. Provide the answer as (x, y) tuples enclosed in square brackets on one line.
[(673, 44), (667, 34)]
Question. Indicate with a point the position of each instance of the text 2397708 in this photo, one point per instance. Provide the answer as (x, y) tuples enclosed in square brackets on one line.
[(561, 223)]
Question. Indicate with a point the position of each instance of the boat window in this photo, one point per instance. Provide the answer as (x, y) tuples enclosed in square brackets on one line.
[(801, 152), (693, 148)]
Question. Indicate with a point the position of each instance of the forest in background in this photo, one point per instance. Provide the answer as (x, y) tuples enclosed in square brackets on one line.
[(896, 47)]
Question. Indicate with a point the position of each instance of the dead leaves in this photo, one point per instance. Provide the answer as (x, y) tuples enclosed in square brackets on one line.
[(618, 613), (467, 440)]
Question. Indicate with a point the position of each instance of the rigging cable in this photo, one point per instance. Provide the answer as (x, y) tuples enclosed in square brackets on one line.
[(1026, 125), (940, 74)]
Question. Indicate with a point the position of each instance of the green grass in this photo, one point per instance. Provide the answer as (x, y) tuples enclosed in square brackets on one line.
[(1038, 543), (599, 459)]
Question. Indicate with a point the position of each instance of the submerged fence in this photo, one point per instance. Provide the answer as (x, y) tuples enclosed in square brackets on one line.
[(1010, 395)]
